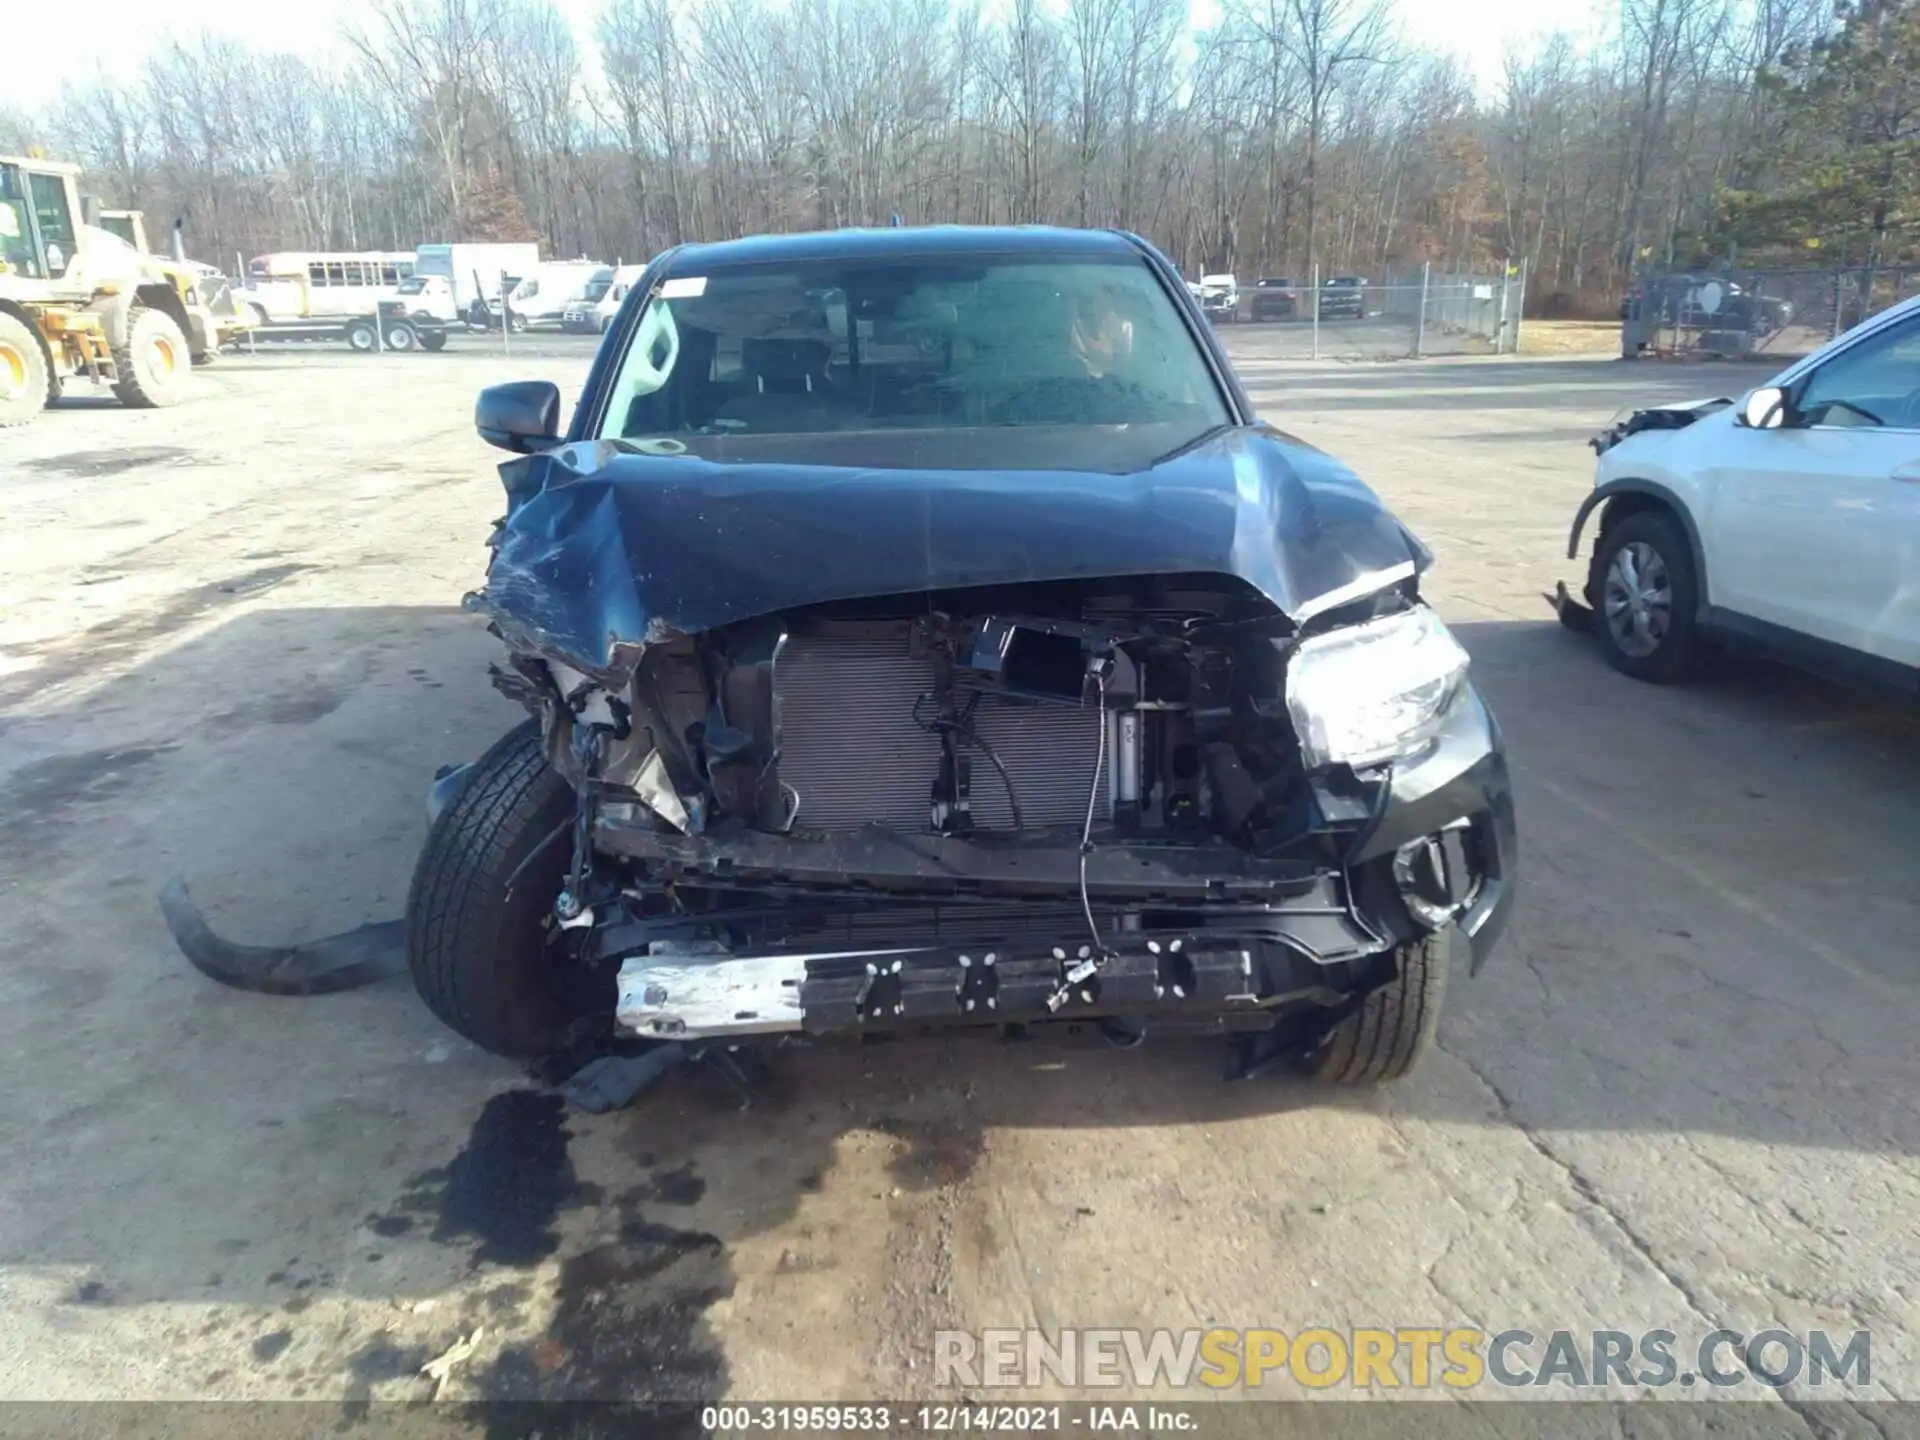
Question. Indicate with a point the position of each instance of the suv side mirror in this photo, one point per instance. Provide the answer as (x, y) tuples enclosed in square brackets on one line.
[(1765, 409), (522, 416)]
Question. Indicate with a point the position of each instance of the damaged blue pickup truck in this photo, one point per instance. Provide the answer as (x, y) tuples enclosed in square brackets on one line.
[(921, 634)]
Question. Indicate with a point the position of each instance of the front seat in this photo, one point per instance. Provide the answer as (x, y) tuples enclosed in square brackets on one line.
[(788, 389)]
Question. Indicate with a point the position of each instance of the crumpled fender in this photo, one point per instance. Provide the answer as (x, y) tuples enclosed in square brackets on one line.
[(1653, 489)]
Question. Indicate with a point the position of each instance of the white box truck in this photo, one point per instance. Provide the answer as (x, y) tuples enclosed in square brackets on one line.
[(473, 272), (452, 285)]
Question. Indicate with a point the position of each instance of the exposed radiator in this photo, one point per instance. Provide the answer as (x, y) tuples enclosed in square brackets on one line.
[(853, 752)]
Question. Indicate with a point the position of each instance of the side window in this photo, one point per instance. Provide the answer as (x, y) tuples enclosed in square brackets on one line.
[(56, 221), (336, 273), (354, 277), (316, 275), (1874, 383), (16, 236)]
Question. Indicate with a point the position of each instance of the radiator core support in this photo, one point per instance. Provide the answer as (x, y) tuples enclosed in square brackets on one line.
[(860, 742)]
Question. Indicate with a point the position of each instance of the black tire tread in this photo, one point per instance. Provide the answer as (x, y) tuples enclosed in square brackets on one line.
[(1678, 657), (1395, 1025), (470, 966), (128, 386)]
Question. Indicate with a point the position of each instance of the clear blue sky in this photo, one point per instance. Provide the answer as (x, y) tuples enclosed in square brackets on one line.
[(123, 31)]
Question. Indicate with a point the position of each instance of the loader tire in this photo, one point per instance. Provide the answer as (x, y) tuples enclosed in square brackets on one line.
[(26, 379), (1395, 1025), (151, 369), (486, 954)]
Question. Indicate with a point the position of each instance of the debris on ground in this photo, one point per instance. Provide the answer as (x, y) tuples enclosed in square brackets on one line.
[(437, 1370), (612, 1081), (347, 961)]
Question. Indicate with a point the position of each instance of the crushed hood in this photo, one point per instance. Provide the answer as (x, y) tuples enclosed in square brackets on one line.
[(1655, 417), (604, 552)]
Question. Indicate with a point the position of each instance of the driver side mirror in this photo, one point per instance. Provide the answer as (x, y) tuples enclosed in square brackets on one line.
[(1766, 408), (522, 416)]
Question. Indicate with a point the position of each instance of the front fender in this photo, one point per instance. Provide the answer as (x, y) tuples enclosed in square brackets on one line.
[(1661, 498)]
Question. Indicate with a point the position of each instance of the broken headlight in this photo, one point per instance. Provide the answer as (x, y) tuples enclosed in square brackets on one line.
[(1367, 693)]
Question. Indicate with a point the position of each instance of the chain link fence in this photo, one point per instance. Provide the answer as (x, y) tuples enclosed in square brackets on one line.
[(1775, 314), (1403, 315)]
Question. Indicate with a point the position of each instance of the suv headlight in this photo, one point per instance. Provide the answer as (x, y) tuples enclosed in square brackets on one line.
[(1367, 693)]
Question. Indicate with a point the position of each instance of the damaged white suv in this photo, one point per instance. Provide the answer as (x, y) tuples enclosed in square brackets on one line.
[(1786, 522)]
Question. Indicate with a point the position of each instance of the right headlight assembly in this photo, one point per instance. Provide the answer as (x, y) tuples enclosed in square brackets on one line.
[(1364, 694)]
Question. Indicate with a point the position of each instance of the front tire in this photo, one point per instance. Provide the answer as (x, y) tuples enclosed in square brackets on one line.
[(151, 369), (487, 957), (1645, 599), (432, 340), (1396, 1025), (26, 382)]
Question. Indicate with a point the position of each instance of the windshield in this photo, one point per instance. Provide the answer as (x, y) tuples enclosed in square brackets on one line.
[(979, 363), (412, 285), (596, 290)]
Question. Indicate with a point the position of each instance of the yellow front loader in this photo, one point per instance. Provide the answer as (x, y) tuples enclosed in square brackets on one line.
[(78, 301)]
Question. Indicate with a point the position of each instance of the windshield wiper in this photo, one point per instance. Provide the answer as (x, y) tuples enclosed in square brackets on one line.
[(1195, 443)]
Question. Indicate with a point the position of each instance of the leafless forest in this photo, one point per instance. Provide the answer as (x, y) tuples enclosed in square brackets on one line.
[(1290, 133)]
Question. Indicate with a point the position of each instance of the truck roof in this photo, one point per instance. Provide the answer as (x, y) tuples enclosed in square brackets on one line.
[(904, 240), (29, 162)]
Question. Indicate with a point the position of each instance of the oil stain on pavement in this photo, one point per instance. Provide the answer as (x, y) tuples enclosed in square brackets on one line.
[(628, 1320), (508, 1184)]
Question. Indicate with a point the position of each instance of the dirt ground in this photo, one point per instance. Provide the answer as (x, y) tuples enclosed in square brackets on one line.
[(1570, 337), (231, 649)]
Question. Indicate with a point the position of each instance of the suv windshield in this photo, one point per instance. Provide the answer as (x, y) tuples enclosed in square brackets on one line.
[(966, 363)]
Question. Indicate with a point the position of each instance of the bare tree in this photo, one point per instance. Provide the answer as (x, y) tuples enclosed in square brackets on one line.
[(1291, 133)]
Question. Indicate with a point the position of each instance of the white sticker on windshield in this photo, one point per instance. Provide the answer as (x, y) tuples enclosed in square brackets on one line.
[(683, 287)]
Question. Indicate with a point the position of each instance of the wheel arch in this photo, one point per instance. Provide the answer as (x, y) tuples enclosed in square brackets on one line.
[(116, 311), (14, 310), (156, 296), (1627, 497)]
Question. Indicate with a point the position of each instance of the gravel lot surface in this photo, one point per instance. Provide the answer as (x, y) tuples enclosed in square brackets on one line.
[(1683, 1097)]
